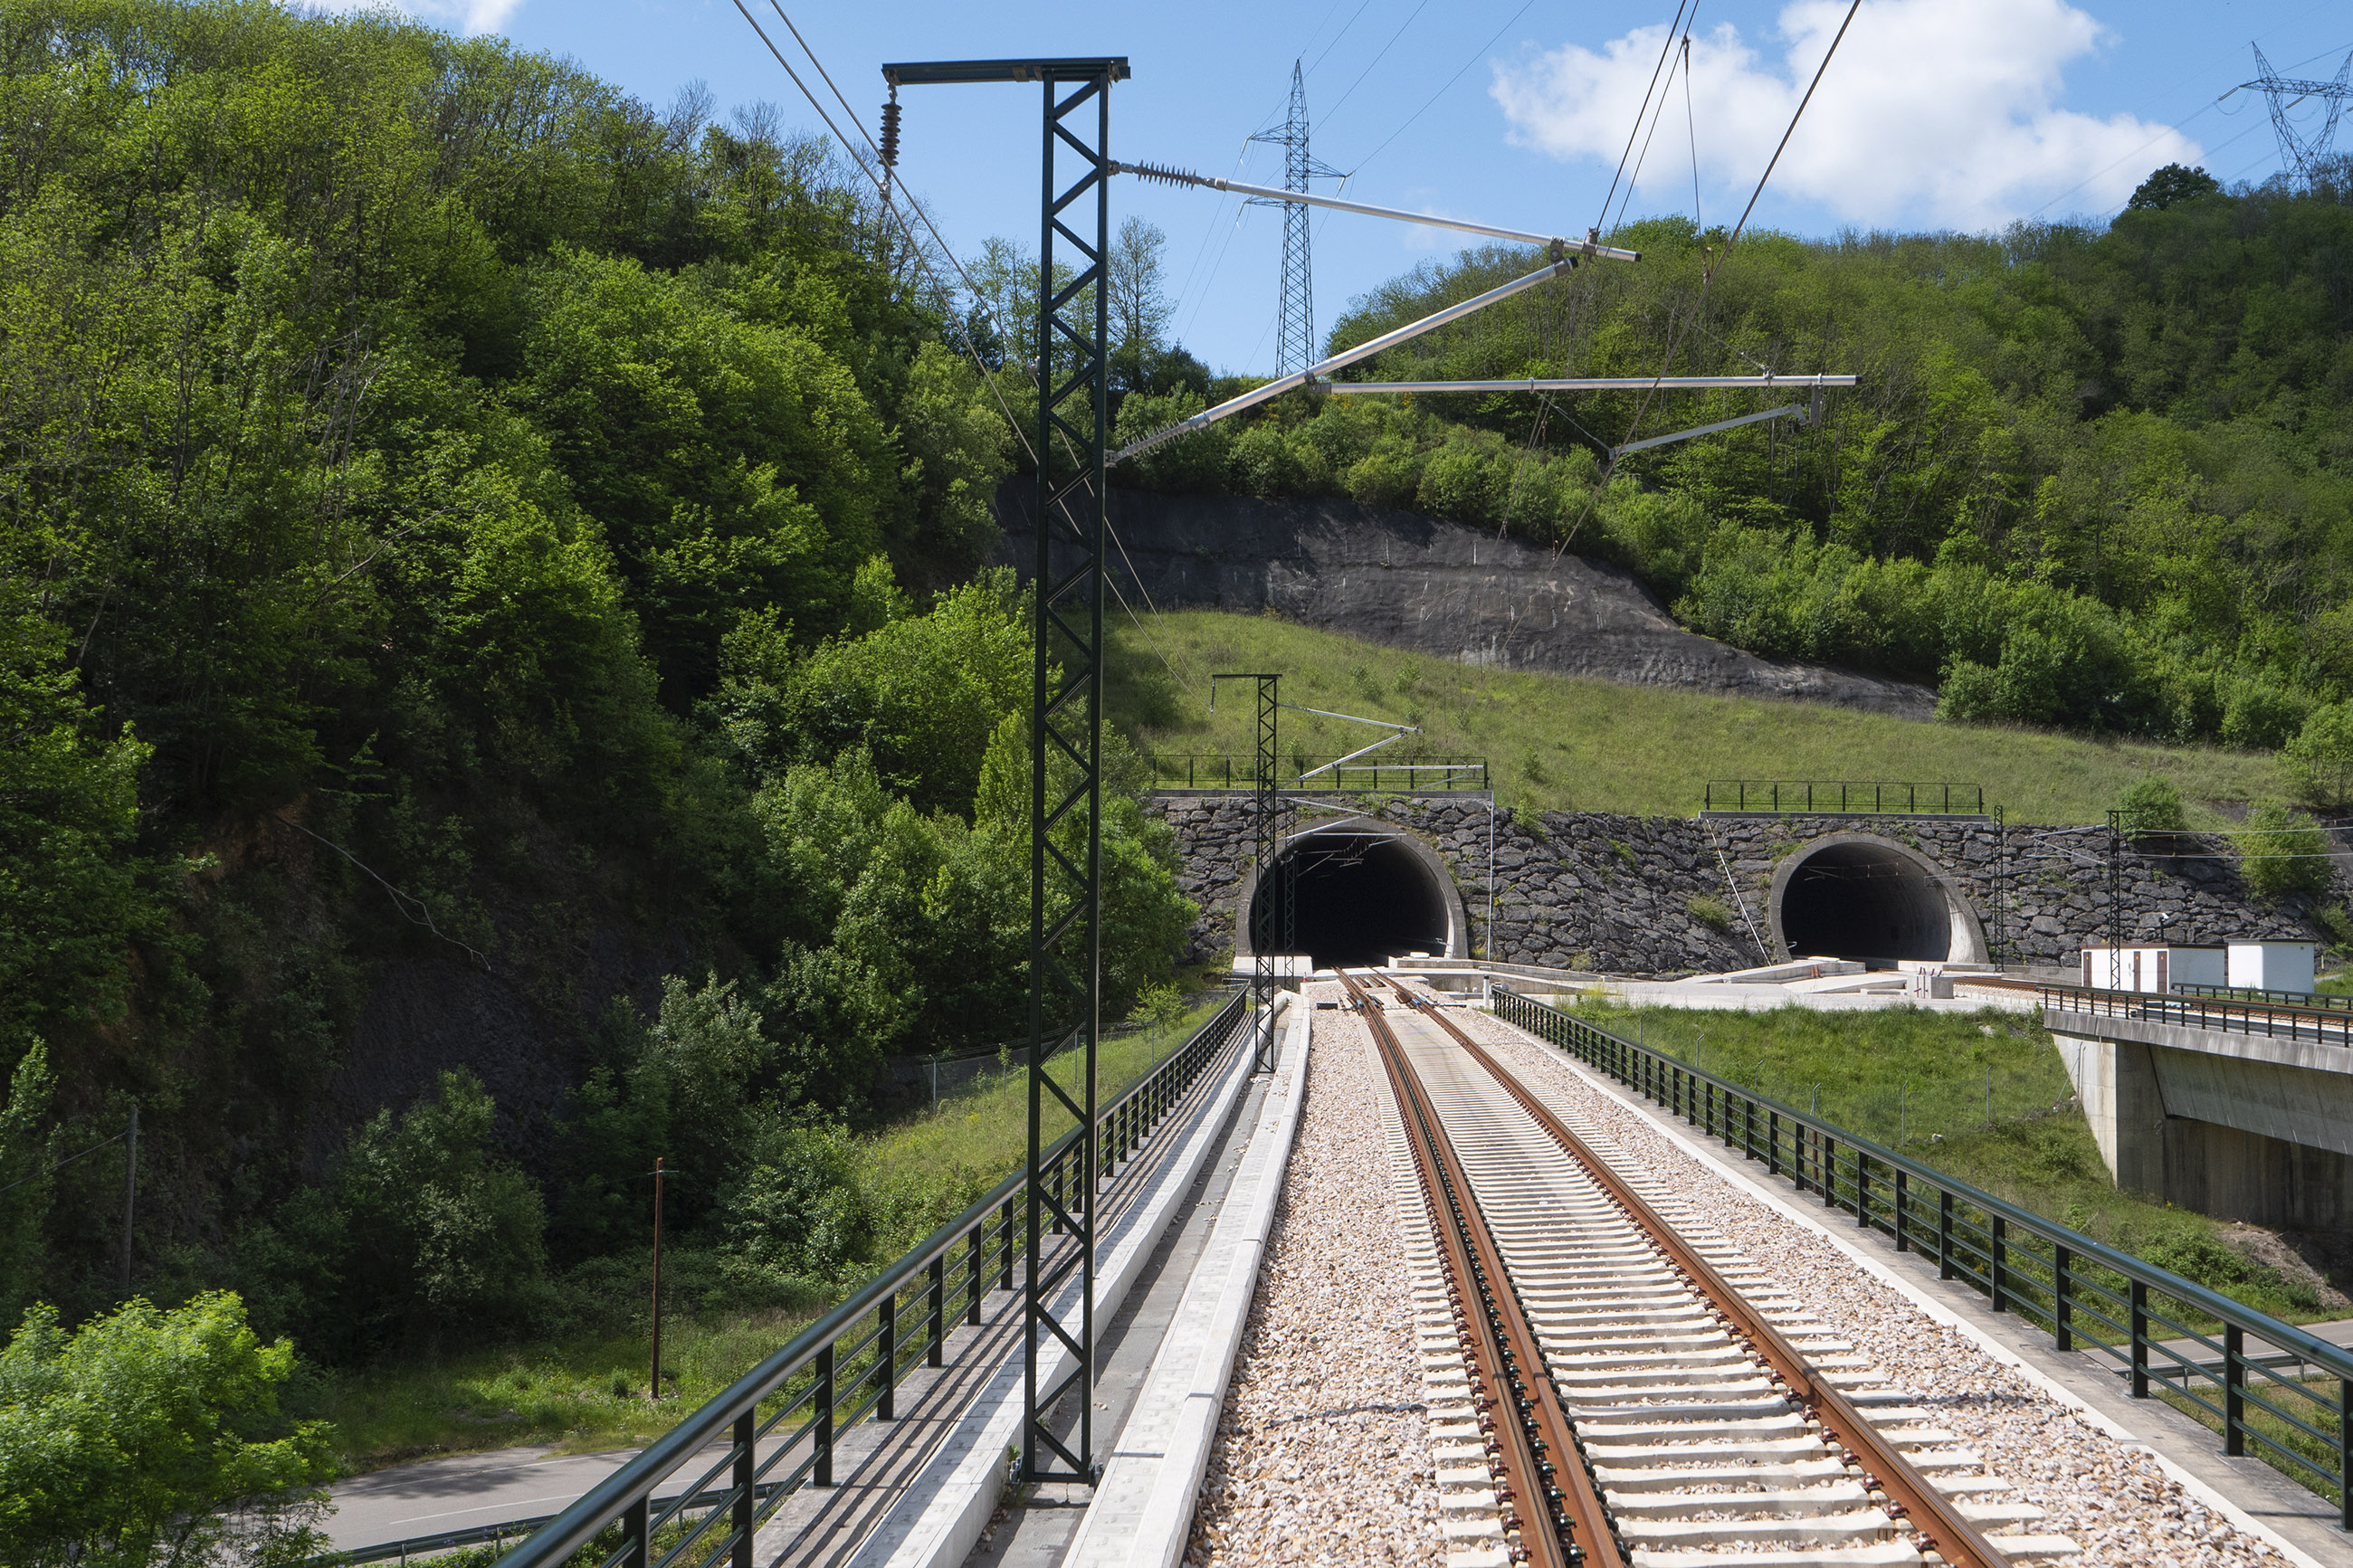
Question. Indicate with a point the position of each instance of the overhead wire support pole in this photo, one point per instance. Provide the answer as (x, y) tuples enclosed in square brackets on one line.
[(1272, 906), (1065, 726)]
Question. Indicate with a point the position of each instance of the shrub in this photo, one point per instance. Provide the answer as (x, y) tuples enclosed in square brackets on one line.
[(1461, 483), (147, 1436), (1710, 912), (2152, 806), (2322, 754), (2283, 852)]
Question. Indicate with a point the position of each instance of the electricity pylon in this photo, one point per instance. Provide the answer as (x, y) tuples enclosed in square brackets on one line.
[(2305, 154), (1295, 328)]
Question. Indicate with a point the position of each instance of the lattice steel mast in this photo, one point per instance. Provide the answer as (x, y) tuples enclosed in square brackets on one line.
[(2306, 155), (1296, 324), (1065, 723)]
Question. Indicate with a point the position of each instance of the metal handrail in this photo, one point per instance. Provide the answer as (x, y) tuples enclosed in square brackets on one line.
[(2319, 1000), (1214, 770), (624, 1497), (1885, 797), (2059, 1278), (2332, 1025)]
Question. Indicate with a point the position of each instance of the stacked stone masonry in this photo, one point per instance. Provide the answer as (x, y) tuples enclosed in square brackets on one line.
[(1642, 895)]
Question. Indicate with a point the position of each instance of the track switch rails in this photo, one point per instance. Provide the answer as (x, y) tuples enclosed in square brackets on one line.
[(1541, 1459), (1939, 1523)]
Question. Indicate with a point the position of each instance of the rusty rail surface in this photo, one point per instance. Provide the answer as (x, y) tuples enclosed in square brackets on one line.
[(1937, 1518), (1533, 1442)]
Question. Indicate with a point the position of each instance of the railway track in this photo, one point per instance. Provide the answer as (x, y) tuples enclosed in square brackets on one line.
[(1643, 1395)]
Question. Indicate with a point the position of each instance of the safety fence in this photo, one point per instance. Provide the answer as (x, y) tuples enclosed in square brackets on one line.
[(2316, 999), (1875, 798), (775, 1430), (2332, 1026), (2268, 1388), (1206, 770)]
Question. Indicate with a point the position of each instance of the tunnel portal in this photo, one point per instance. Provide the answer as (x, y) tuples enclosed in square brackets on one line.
[(1869, 899), (1360, 898)]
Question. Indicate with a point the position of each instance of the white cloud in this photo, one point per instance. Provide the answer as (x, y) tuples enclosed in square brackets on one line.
[(465, 16), (1932, 112)]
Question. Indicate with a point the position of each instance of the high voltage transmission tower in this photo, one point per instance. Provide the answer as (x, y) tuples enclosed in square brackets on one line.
[(2305, 155), (1295, 330)]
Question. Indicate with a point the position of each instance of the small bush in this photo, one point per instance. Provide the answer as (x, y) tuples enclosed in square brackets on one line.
[(2339, 924), (2152, 805), (2322, 755), (2283, 852), (1710, 912)]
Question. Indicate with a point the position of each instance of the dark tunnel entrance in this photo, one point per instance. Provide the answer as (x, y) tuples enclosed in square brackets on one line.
[(1358, 899), (1872, 902)]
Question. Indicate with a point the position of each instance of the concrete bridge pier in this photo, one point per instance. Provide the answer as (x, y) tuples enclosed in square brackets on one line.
[(2240, 1126)]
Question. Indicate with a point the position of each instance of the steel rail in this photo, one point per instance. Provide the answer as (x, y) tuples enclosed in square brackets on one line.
[(1937, 1519), (1541, 1462)]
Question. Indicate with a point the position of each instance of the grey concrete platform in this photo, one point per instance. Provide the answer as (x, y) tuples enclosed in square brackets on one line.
[(1040, 1527)]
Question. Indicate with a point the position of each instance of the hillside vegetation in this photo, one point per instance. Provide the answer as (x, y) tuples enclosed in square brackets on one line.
[(1558, 743), (2095, 478), (489, 575)]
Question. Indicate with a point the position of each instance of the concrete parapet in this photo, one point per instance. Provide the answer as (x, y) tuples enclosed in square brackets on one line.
[(2240, 1126)]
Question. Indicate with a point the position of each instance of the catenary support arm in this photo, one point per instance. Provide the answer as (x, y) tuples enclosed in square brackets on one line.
[(1276, 388), (1589, 246), (1593, 383)]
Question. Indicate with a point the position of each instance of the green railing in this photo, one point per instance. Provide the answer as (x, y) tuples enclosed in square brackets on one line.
[(2088, 1295), (1874, 798), (2321, 1001), (2332, 1025), (1211, 769), (845, 1366)]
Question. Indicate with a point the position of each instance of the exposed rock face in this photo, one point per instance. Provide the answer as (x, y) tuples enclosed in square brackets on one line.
[(1595, 891), (1413, 581)]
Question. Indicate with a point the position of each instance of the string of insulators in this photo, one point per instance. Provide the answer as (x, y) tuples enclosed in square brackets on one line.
[(1164, 174), (890, 131)]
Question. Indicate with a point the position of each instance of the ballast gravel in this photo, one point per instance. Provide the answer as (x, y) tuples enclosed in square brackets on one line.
[(1322, 1453), (2116, 1503)]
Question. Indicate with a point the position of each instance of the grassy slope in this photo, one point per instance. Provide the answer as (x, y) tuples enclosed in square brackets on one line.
[(2038, 1153), (919, 1173), (1563, 744)]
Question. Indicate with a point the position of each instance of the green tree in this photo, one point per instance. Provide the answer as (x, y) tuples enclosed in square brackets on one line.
[(149, 1438), (26, 1153), (2174, 182)]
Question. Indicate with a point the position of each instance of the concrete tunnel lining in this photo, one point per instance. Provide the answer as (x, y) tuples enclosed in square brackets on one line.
[(1366, 894), (1860, 896)]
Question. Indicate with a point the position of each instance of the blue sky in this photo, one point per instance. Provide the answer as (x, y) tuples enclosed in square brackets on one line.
[(1936, 113)]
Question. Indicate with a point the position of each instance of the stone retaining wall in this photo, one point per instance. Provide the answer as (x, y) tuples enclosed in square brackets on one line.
[(1595, 891)]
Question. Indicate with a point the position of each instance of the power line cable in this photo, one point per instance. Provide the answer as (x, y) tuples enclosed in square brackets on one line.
[(1361, 74), (1707, 277), (889, 175), (1666, 45), (1441, 92)]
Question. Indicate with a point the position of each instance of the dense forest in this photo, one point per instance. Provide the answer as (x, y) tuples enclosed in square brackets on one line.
[(498, 678), (2092, 477)]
